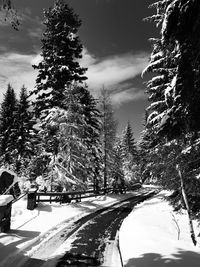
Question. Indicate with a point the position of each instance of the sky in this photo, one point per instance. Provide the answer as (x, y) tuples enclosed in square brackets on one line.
[(115, 51)]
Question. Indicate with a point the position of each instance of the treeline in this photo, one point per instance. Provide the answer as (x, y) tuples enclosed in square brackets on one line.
[(59, 132), (171, 140), (78, 144)]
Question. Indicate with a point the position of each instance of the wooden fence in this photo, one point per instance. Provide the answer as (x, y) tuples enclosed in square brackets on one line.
[(35, 197), (64, 197)]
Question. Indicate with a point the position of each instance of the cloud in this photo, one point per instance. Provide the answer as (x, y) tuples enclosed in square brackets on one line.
[(17, 70), (115, 73), (32, 24), (127, 95), (36, 59), (36, 32)]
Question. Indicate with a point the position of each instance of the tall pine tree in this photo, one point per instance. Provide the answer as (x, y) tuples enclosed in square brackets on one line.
[(129, 154), (7, 126), (24, 131), (58, 91), (61, 50), (174, 91), (175, 112), (128, 142)]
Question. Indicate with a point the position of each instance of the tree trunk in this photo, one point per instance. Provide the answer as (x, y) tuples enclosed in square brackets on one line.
[(193, 237), (105, 169), (105, 147)]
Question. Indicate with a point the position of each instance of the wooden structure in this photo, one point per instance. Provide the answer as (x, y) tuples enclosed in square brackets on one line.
[(35, 197), (5, 212)]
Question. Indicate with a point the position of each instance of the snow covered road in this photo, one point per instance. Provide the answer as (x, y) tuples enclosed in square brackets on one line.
[(23, 242), (148, 236), (95, 233)]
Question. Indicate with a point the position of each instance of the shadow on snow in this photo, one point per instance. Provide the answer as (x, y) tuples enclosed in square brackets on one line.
[(181, 258)]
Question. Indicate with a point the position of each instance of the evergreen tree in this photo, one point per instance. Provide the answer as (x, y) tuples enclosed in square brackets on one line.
[(7, 126), (147, 142), (77, 128), (117, 166), (174, 92), (67, 110), (129, 154), (24, 131), (185, 38), (91, 133), (108, 135), (175, 112), (61, 50), (82, 130), (128, 142)]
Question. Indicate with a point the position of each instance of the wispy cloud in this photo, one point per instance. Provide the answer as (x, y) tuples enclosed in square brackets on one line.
[(36, 32), (115, 73), (33, 24), (127, 95)]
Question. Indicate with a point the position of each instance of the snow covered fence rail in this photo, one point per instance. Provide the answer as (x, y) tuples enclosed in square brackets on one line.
[(67, 197), (18, 198), (35, 197)]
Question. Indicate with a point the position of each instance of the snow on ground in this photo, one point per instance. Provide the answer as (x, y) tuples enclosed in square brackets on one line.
[(46, 216), (30, 228), (5, 199), (148, 237)]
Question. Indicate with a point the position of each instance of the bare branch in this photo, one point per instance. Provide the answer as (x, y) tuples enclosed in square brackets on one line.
[(177, 225)]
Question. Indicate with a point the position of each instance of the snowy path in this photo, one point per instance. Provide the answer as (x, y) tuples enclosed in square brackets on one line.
[(95, 233), (31, 229)]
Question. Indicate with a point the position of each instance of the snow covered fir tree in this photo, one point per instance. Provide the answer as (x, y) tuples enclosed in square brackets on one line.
[(130, 157), (70, 129), (7, 125), (174, 94), (61, 51)]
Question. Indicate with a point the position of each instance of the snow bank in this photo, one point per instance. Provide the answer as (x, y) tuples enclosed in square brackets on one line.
[(149, 236), (5, 199)]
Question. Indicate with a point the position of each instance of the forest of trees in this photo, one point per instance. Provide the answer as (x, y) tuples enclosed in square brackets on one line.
[(61, 133), (58, 134)]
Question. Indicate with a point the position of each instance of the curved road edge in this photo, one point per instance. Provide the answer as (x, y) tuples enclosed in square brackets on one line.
[(34, 245)]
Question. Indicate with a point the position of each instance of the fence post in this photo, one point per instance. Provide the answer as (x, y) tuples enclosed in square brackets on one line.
[(5, 212), (31, 200)]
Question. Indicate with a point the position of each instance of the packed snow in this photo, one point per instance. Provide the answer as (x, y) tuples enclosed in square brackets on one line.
[(31, 228), (148, 236)]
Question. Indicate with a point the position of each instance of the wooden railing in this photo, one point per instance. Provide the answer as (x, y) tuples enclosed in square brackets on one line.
[(35, 197), (64, 197)]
